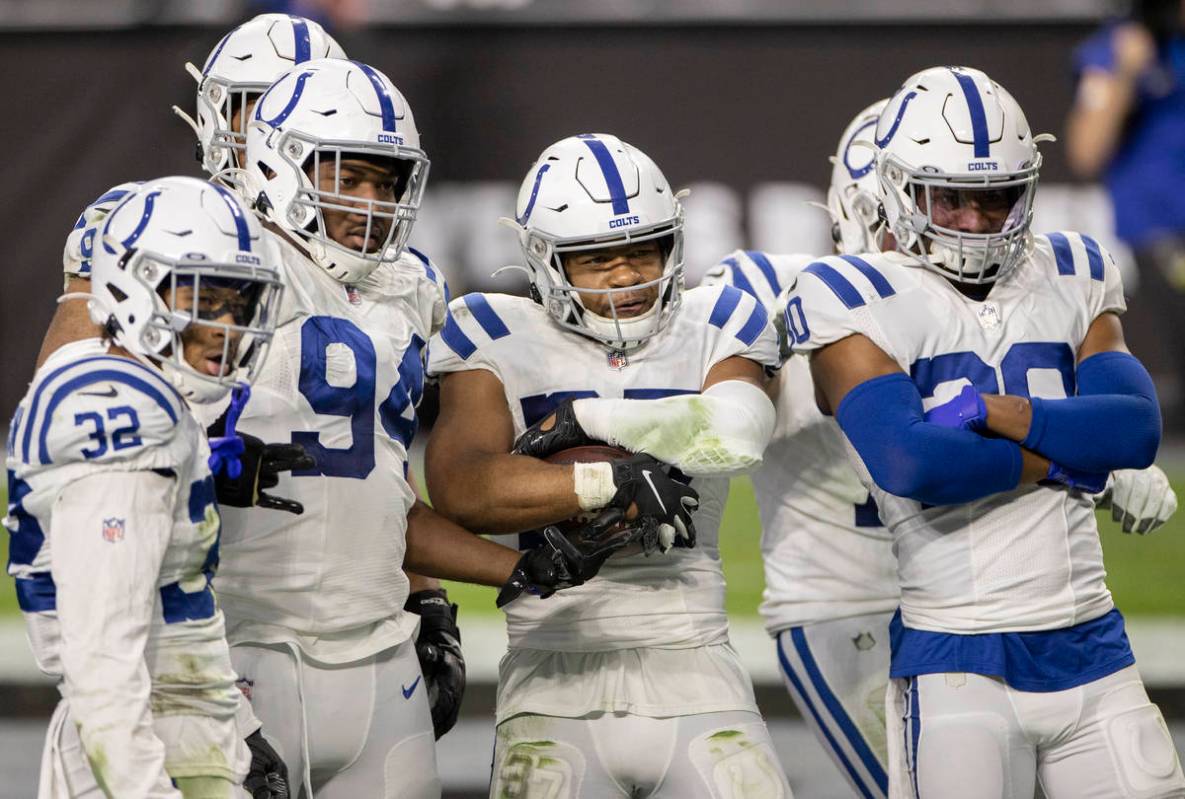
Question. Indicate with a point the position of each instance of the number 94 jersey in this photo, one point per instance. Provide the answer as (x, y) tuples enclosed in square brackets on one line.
[(1023, 560), (342, 379)]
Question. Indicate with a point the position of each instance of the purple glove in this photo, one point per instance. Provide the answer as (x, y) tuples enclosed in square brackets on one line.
[(1077, 480), (226, 449), (965, 412)]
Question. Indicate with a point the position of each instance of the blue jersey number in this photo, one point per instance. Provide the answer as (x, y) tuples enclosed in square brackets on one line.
[(120, 437), (355, 401), (1021, 358)]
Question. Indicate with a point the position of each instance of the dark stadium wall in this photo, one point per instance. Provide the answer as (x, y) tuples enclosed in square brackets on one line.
[(738, 105)]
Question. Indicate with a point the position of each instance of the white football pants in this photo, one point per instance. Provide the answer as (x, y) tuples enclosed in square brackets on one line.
[(66, 773), (726, 755), (346, 731), (836, 673), (974, 737)]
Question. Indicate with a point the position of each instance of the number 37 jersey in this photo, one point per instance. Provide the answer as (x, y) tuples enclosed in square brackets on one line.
[(1023, 560), (342, 379)]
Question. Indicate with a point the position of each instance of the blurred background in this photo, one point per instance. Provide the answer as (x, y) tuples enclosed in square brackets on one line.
[(740, 100)]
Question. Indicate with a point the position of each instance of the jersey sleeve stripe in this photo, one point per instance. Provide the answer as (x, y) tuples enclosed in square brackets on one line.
[(1094, 257), (486, 316), (726, 303), (178, 605), (1062, 252), (49, 379), (452, 335), (767, 269), (738, 277), (87, 379), (753, 325), (878, 281), (36, 592), (837, 283), (428, 270)]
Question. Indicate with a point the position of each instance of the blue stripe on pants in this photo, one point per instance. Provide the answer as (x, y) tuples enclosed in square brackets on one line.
[(788, 670)]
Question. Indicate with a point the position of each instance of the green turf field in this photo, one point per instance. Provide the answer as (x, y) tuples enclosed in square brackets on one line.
[(1146, 573)]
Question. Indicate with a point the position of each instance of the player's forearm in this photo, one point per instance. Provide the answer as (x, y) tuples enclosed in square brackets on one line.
[(722, 431), (1113, 423), (909, 457), (442, 549), (502, 493)]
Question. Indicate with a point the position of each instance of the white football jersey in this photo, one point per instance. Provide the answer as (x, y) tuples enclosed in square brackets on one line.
[(89, 414), (825, 553), (674, 600), (342, 379), (1022, 560)]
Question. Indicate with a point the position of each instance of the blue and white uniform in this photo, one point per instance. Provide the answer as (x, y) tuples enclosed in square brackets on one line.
[(627, 683), (830, 574), (314, 602), (115, 532), (1008, 644)]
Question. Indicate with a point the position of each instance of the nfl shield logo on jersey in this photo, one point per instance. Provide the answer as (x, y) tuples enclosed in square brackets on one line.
[(618, 360), (353, 296), (113, 530)]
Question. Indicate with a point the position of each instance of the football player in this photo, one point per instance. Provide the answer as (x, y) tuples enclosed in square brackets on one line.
[(239, 68), (112, 513), (233, 77), (980, 374), (830, 574), (315, 603), (629, 687)]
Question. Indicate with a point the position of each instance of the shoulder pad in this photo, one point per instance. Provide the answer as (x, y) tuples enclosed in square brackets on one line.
[(741, 324), (98, 409), (472, 328), (434, 276), (831, 298), (761, 274), (1079, 259)]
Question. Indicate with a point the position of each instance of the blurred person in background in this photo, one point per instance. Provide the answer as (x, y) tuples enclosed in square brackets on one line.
[(1127, 127)]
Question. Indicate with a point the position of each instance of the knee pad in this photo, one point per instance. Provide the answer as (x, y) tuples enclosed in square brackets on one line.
[(737, 762), (1144, 753), (531, 764)]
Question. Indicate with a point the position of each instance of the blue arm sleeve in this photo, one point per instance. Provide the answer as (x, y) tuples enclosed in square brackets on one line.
[(912, 458), (1113, 423)]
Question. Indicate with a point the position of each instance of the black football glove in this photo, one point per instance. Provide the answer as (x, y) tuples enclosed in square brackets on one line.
[(564, 561), (643, 481), (259, 468), (438, 647), (563, 432), (268, 776)]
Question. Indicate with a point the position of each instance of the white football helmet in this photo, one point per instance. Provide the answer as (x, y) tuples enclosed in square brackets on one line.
[(184, 232), (589, 192), (80, 244), (324, 112), (854, 197), (955, 135), (239, 69)]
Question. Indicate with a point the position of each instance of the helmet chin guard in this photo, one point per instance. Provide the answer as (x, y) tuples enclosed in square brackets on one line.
[(953, 132), (594, 192)]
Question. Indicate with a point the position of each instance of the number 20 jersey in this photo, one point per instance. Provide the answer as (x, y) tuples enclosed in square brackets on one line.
[(1022, 560), (342, 379), (673, 600)]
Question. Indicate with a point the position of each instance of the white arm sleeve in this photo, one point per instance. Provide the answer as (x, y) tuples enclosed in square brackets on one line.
[(720, 432), (106, 597)]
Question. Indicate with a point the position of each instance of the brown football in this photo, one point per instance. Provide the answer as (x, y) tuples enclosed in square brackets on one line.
[(590, 453)]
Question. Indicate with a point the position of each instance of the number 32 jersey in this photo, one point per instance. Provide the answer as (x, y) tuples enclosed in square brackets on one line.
[(1023, 560), (342, 379)]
